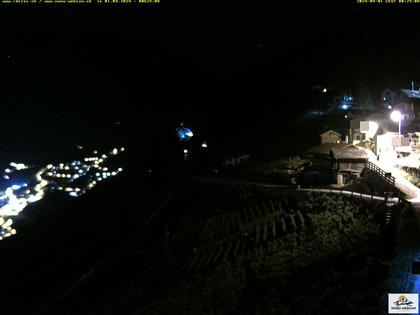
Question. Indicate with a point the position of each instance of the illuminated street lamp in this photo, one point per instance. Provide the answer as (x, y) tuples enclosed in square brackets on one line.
[(396, 116)]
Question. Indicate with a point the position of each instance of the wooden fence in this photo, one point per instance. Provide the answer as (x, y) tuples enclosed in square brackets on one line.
[(387, 177)]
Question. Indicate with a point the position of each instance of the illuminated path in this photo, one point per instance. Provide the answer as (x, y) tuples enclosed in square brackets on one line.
[(410, 190), (74, 178)]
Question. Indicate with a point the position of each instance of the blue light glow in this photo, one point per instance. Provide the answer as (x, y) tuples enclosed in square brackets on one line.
[(184, 133)]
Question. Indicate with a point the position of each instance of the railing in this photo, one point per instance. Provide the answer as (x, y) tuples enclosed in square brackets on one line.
[(404, 201), (386, 199), (384, 175), (387, 177)]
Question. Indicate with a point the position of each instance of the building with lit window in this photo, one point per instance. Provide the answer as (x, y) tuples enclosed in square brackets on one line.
[(368, 126)]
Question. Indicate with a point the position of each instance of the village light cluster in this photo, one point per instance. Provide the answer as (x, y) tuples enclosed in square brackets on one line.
[(6, 229), (74, 178)]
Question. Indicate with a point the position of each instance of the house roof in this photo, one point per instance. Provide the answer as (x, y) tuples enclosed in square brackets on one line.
[(325, 149), (339, 151), (331, 131), (374, 116), (411, 93), (349, 152)]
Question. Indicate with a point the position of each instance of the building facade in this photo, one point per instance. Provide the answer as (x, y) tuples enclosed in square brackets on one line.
[(330, 136)]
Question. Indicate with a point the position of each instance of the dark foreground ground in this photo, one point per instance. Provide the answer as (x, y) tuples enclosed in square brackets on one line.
[(233, 250), (61, 238)]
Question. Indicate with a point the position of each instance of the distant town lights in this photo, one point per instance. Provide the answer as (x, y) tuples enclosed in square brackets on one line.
[(18, 166), (49, 178)]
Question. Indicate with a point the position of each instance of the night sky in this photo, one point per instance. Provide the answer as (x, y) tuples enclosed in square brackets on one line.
[(66, 69)]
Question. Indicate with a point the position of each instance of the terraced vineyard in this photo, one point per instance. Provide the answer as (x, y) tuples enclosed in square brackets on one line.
[(233, 249), (249, 226)]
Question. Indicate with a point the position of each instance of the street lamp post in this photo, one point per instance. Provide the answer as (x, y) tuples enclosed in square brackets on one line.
[(396, 116)]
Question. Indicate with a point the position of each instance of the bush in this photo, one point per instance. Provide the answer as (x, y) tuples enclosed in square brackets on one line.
[(319, 231), (294, 163), (368, 144), (413, 175)]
